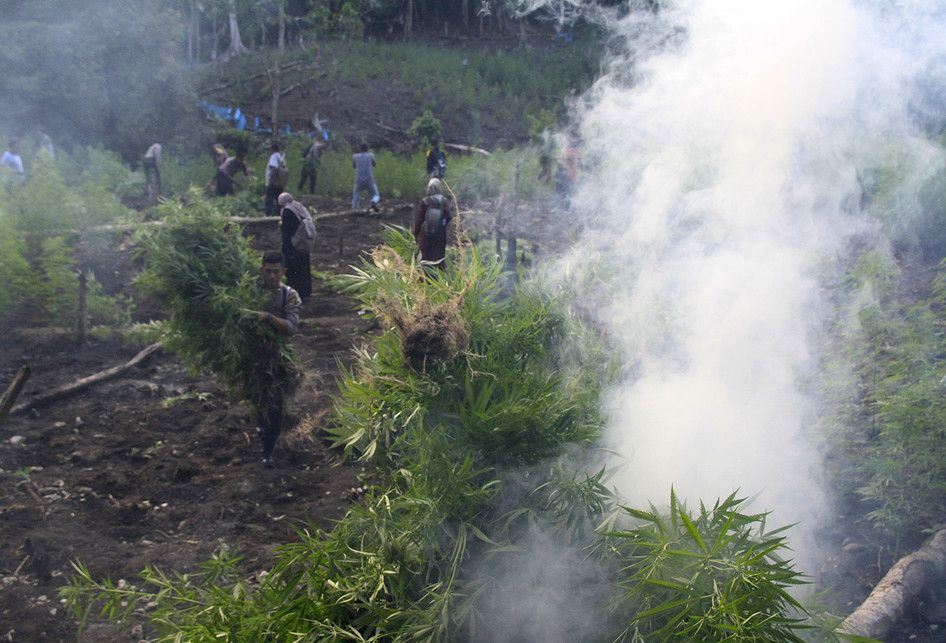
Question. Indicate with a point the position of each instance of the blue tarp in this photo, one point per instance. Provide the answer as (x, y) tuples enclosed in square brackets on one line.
[(239, 119)]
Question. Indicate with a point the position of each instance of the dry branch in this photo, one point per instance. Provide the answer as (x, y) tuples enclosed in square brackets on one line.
[(898, 590), (467, 148), (13, 391), (287, 67), (84, 382)]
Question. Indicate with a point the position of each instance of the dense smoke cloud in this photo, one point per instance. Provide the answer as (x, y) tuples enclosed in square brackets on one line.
[(725, 154)]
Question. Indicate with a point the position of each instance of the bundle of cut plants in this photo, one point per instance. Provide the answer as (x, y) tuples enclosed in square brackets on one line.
[(205, 274)]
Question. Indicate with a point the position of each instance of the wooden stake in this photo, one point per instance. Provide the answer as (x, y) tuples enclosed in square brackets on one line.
[(13, 391), (81, 330)]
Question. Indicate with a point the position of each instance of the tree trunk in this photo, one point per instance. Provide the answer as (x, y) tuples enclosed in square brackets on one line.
[(898, 590), (81, 326), (465, 8), (275, 84), (408, 19), (197, 14), (282, 26), (236, 44), (214, 43), (190, 34)]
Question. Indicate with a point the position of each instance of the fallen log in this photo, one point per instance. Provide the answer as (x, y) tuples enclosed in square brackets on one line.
[(84, 382), (13, 391), (898, 590), (239, 220)]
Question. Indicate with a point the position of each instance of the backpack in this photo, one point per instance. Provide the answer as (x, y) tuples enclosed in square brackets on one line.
[(303, 239), (433, 219), (279, 175)]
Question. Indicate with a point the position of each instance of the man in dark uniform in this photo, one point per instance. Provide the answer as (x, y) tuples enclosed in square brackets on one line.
[(282, 315)]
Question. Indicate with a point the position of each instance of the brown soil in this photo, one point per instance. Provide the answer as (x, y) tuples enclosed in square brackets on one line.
[(118, 477)]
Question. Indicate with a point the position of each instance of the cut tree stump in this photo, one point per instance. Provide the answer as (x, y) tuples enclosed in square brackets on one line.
[(84, 382), (898, 590)]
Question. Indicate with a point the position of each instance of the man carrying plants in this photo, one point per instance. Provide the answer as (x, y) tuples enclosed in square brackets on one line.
[(226, 173), (282, 315)]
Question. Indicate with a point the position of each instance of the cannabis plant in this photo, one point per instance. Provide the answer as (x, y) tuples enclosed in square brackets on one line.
[(717, 575), (204, 272)]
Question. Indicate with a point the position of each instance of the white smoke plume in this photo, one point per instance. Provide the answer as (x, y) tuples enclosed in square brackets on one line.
[(723, 153)]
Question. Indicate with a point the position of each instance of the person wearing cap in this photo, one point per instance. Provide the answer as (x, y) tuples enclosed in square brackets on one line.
[(282, 316), (298, 271), (431, 216)]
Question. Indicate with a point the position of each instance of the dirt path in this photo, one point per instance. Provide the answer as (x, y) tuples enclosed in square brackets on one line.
[(122, 475)]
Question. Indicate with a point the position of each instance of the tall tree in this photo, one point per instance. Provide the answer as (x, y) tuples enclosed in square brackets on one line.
[(236, 46)]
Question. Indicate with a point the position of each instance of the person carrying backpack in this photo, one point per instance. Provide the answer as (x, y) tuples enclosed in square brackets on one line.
[(277, 177), (436, 161), (431, 216), (298, 239)]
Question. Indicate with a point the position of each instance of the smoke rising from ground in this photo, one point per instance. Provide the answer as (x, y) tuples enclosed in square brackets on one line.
[(725, 150)]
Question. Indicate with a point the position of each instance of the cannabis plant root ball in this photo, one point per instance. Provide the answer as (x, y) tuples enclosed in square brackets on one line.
[(431, 334)]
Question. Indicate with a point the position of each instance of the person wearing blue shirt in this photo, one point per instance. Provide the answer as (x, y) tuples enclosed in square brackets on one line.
[(12, 163)]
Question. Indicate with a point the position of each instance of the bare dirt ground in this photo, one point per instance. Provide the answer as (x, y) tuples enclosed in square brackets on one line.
[(121, 476)]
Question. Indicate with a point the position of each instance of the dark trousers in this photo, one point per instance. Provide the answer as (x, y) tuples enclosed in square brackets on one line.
[(272, 193), (152, 178), (311, 175), (269, 416)]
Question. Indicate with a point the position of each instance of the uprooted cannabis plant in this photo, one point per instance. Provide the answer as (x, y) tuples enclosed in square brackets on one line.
[(479, 406), (204, 272)]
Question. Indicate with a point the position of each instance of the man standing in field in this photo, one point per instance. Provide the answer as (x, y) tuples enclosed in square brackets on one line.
[(436, 161), (310, 165), (364, 162), (152, 166), (277, 176), (282, 315)]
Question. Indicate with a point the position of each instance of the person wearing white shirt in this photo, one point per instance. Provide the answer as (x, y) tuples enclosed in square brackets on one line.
[(276, 178)]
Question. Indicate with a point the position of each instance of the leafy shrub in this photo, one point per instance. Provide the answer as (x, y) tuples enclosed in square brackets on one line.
[(425, 127), (55, 289), (38, 255), (15, 276)]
